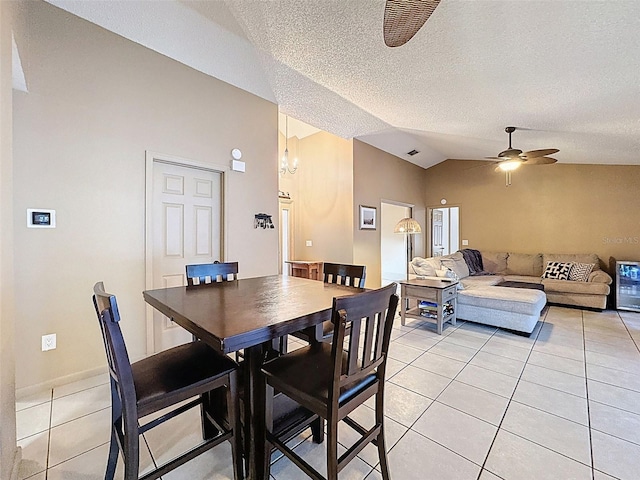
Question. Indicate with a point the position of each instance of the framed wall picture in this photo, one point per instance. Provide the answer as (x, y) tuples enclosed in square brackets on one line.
[(367, 218)]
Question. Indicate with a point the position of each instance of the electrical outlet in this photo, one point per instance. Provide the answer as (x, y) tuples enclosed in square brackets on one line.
[(48, 342)]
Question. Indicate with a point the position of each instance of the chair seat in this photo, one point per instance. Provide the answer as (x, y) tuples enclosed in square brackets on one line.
[(306, 374), (170, 376)]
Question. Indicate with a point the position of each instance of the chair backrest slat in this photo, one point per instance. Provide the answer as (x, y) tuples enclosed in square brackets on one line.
[(377, 309), (352, 275), (206, 273), (115, 348)]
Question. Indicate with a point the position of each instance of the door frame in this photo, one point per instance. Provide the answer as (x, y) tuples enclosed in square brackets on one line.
[(409, 242), (151, 158), (282, 202), (430, 210)]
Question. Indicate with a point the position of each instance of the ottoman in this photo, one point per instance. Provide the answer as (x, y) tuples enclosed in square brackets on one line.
[(505, 307)]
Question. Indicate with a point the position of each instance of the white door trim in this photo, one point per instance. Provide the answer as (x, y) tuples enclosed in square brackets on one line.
[(150, 158)]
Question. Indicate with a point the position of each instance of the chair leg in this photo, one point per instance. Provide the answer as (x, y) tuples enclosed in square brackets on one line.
[(332, 449), (382, 450), (317, 429), (112, 461), (234, 422), (131, 452)]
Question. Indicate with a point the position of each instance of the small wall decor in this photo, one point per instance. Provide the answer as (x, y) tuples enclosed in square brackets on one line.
[(282, 194), (367, 218), (263, 220)]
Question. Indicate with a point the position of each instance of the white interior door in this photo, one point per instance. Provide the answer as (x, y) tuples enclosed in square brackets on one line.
[(187, 227), (445, 228)]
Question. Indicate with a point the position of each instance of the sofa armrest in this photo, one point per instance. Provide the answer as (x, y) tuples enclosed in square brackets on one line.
[(600, 276)]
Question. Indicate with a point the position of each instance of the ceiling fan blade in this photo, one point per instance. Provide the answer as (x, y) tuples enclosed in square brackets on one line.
[(539, 153), (540, 161), (510, 153), (403, 19)]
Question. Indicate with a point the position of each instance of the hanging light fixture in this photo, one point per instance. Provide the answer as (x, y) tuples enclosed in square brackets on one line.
[(284, 164)]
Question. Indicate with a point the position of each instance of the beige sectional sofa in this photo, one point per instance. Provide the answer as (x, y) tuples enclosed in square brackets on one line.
[(523, 267), (482, 301)]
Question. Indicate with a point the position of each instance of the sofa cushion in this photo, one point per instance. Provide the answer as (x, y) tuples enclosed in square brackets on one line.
[(557, 270), (567, 286), (515, 300), (481, 281), (425, 266), (456, 262), (572, 258), (580, 272), (524, 264), (494, 262)]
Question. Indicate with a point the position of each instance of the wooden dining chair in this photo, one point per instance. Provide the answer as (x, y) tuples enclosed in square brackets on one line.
[(341, 274), (206, 273), (188, 373), (331, 381), (352, 275)]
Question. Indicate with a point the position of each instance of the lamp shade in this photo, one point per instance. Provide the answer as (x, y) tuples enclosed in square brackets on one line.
[(408, 226)]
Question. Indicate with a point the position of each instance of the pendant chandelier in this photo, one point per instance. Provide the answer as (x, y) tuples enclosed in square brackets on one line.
[(284, 164)]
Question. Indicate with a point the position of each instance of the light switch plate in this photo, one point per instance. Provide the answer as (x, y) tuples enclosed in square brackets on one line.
[(465, 242), (309, 243)]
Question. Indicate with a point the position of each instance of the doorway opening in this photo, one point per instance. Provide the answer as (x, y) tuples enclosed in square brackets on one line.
[(444, 230), (286, 235), (394, 250)]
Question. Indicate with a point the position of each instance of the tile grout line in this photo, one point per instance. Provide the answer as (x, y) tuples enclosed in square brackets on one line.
[(46, 465), (435, 399), (511, 398), (586, 387)]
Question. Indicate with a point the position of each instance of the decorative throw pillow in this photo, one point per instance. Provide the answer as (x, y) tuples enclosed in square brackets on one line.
[(580, 272), (557, 270)]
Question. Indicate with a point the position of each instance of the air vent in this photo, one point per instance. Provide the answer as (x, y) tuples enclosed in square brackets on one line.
[(412, 152)]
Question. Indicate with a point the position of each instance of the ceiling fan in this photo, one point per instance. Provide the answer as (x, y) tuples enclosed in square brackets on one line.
[(403, 19), (512, 158)]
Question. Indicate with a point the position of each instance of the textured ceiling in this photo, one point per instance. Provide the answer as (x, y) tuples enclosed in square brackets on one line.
[(565, 72)]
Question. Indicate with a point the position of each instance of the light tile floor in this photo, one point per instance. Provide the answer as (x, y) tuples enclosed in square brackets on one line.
[(474, 403)]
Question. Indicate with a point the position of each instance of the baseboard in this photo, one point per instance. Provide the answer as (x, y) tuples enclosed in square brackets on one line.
[(17, 458), (56, 382)]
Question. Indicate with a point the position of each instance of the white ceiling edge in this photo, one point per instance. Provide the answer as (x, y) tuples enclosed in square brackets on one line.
[(18, 79), (296, 128), (253, 70), (395, 141), (194, 41)]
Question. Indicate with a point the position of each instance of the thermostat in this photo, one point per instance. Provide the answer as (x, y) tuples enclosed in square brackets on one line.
[(41, 218)]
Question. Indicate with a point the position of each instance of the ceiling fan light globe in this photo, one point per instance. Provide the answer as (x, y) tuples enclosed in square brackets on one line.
[(509, 165)]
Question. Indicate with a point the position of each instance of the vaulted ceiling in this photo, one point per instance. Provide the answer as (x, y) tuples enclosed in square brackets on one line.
[(565, 72)]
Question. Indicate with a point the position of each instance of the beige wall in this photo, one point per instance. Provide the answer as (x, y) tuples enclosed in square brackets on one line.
[(378, 176), (322, 194), (7, 362), (97, 102), (551, 208)]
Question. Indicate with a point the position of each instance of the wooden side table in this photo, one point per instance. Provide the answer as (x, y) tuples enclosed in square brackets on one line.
[(439, 292), (305, 269)]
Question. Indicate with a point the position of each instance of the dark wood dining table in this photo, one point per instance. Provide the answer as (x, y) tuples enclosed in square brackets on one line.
[(249, 314)]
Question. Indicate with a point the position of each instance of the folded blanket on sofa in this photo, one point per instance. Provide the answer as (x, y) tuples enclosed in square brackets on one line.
[(473, 259)]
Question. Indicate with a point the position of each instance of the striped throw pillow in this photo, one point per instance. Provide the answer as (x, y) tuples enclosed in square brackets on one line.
[(580, 272)]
